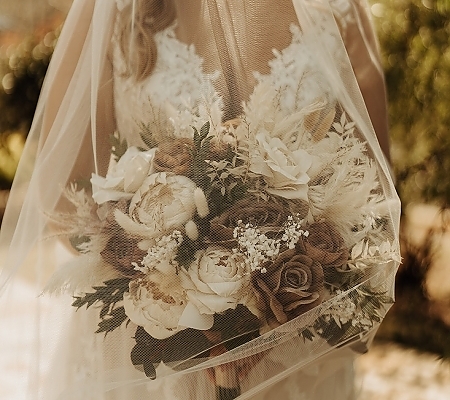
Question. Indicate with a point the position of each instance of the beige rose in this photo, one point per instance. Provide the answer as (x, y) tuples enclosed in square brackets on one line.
[(174, 156), (325, 245), (283, 170), (292, 285), (217, 280), (124, 178)]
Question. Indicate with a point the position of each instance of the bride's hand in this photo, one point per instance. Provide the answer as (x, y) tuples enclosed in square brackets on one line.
[(238, 369)]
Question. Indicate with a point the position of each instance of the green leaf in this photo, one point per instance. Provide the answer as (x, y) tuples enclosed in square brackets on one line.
[(77, 241), (104, 311), (186, 252), (306, 334), (201, 147), (112, 320), (204, 130), (118, 146), (109, 295), (150, 370), (147, 136), (88, 299)]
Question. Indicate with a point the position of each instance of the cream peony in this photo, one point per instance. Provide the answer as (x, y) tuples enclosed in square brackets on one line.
[(216, 281), (284, 171), (156, 303), (124, 178), (163, 203)]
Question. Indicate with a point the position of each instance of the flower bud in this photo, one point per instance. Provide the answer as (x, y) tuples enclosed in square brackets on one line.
[(201, 203), (191, 230)]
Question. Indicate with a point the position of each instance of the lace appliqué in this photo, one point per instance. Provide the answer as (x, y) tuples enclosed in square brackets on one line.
[(169, 98), (179, 95), (297, 80)]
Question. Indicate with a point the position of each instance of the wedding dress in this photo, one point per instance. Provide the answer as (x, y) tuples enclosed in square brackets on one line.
[(285, 101)]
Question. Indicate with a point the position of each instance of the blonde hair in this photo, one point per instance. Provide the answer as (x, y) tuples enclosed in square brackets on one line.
[(148, 17)]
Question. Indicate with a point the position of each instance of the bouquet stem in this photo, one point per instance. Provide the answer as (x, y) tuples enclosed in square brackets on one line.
[(227, 382)]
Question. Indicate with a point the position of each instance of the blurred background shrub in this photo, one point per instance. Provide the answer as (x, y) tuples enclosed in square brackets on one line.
[(415, 44), (414, 37), (24, 60)]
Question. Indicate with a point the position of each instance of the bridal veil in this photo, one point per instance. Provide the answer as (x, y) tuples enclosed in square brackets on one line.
[(202, 192)]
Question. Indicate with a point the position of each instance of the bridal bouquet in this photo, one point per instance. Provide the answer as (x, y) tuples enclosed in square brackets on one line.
[(207, 242)]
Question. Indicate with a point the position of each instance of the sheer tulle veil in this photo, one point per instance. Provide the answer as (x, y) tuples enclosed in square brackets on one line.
[(332, 192)]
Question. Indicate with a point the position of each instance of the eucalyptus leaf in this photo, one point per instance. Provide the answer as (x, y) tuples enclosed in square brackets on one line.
[(118, 146)]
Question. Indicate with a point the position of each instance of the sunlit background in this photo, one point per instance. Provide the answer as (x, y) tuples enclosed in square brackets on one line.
[(410, 359)]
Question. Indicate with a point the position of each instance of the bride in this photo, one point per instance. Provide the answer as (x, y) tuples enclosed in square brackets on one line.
[(203, 209)]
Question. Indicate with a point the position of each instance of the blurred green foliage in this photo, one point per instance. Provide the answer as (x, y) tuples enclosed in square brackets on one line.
[(11, 145), (22, 70), (415, 42)]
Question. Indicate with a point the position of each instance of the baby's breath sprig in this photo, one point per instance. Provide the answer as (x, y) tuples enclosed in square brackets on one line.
[(293, 231), (258, 248), (162, 255), (255, 246)]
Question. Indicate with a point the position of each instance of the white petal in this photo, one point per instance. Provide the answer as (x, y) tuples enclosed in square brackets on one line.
[(201, 203), (192, 318), (191, 230)]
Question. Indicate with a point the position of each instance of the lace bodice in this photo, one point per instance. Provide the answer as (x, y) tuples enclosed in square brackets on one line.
[(179, 94)]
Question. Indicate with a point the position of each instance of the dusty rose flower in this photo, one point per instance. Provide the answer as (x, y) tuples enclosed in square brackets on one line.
[(325, 245), (292, 285), (267, 216), (121, 251), (174, 156)]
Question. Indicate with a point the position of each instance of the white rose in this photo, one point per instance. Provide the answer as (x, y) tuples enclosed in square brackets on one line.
[(156, 303), (163, 203), (124, 178), (216, 281), (284, 171)]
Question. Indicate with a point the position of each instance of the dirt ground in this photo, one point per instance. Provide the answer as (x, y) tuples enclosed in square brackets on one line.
[(390, 372)]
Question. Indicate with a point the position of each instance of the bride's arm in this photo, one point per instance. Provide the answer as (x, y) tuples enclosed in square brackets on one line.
[(362, 47)]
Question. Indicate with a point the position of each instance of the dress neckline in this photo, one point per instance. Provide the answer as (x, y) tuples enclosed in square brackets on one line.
[(170, 33)]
